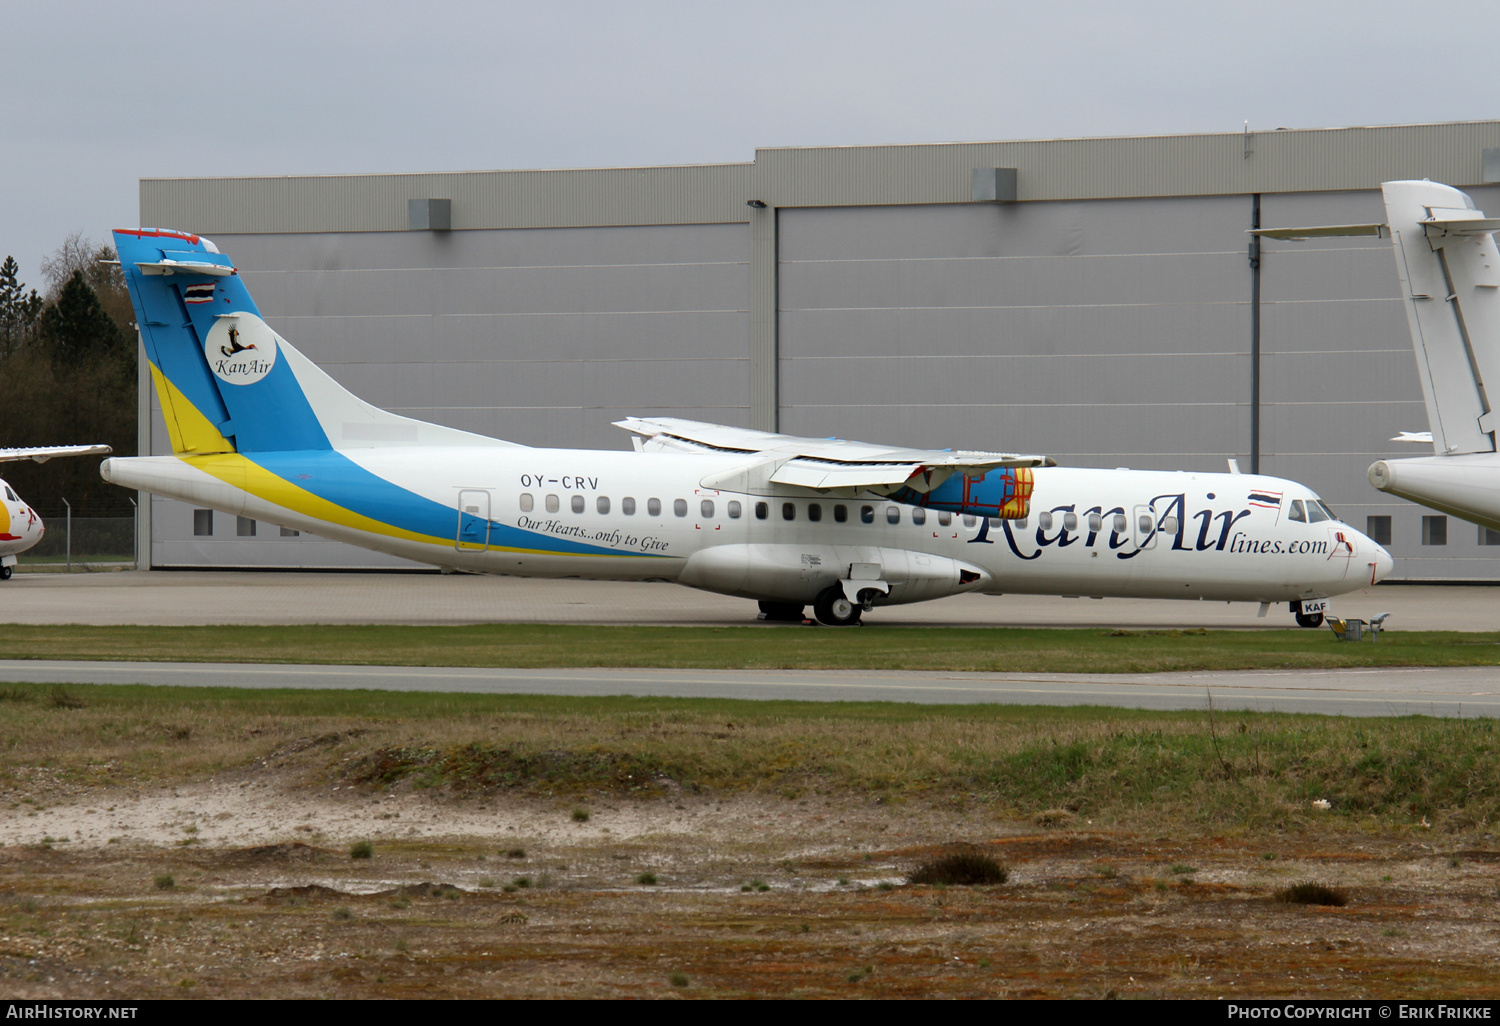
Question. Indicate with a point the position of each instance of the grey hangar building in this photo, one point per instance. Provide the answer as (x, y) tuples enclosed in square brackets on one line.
[(1098, 300)]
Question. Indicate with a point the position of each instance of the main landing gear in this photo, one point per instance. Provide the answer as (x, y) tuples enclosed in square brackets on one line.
[(833, 608), (5, 573), (781, 612)]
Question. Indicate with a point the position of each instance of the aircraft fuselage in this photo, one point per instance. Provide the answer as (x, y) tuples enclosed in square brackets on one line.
[(647, 516)]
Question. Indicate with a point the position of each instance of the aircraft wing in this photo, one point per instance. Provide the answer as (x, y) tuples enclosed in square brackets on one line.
[(824, 463), (44, 453)]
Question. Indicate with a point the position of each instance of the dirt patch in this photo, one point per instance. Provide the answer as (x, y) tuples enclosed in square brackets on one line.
[(744, 896)]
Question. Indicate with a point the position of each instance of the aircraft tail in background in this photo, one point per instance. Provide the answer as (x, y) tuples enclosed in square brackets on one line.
[(1449, 270), (229, 383), (1450, 284)]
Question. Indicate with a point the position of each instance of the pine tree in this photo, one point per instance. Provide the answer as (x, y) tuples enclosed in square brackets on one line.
[(19, 309), (76, 328)]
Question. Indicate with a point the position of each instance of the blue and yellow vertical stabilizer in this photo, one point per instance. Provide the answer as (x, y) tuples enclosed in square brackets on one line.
[(228, 383), (225, 382)]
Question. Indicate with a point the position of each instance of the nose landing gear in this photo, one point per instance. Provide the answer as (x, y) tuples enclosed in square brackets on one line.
[(1306, 619)]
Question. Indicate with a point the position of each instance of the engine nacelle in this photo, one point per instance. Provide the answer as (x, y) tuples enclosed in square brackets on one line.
[(797, 573)]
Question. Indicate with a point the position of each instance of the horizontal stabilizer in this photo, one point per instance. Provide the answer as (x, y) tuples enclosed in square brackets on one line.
[(44, 453), (1330, 231), (1442, 227), (164, 266)]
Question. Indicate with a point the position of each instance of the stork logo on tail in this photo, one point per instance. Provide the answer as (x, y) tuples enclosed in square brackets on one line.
[(241, 349)]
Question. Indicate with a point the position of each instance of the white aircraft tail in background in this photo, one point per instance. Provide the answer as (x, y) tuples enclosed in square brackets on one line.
[(20, 527), (1449, 269)]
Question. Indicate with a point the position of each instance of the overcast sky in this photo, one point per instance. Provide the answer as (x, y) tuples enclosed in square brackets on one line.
[(99, 95)]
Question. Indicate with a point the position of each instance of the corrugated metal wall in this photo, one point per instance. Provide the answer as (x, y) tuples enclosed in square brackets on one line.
[(1105, 333), (1105, 318)]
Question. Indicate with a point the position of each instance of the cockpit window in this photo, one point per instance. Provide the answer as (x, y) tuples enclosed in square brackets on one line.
[(1315, 513), (1326, 509), (1297, 514), (11, 495)]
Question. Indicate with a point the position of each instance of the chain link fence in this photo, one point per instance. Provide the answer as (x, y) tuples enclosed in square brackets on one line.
[(81, 541)]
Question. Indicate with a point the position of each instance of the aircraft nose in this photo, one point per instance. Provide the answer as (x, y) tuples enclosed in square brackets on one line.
[(1381, 563)]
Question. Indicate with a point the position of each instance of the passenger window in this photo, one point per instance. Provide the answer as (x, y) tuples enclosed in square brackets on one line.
[(1096, 522), (841, 513), (1297, 514), (527, 502), (919, 516), (1169, 525), (552, 504), (814, 512), (706, 508), (1070, 522), (627, 506), (577, 504), (679, 507), (867, 514), (1119, 523), (1022, 524), (602, 504), (762, 510), (1144, 523), (653, 507), (789, 511), (1315, 514), (945, 518), (893, 514), (1044, 521), (969, 520), (734, 509)]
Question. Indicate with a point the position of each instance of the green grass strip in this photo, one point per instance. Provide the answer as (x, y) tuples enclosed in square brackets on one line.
[(1091, 650)]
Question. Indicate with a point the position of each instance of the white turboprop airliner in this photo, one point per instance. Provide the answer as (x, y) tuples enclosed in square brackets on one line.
[(1449, 270), (259, 431), (20, 527)]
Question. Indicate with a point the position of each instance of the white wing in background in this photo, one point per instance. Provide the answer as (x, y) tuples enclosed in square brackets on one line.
[(44, 453), (824, 463)]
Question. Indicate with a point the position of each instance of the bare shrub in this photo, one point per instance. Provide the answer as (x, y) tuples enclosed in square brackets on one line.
[(960, 869), (1310, 893)]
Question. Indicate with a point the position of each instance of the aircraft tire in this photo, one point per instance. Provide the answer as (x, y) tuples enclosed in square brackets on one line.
[(1309, 619), (5, 573), (781, 612), (833, 608)]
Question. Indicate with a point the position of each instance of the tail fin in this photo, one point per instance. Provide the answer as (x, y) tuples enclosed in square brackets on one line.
[(1450, 279), (227, 382)]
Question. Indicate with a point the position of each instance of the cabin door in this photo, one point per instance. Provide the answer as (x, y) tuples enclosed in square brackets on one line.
[(473, 521)]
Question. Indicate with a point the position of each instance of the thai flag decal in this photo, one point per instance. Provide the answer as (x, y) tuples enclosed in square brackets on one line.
[(1265, 500), (198, 294)]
